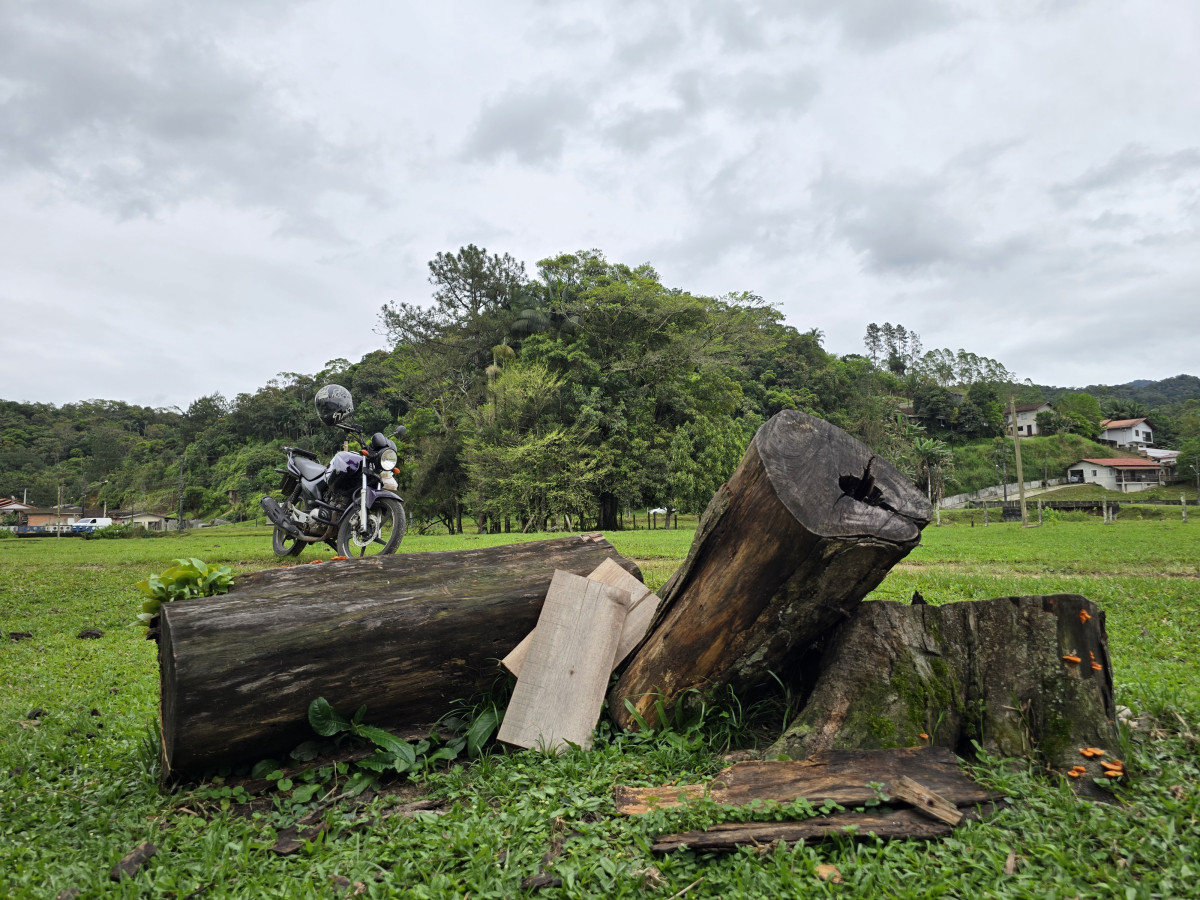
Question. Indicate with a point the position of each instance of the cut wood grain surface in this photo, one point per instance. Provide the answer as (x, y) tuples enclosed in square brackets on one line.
[(561, 688)]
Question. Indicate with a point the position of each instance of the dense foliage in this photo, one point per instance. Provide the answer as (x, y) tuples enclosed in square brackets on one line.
[(573, 397)]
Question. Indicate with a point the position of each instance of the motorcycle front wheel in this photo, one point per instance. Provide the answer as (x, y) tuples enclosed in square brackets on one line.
[(382, 532), (284, 544)]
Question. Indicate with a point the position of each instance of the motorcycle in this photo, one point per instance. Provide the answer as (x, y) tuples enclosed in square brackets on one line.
[(351, 503)]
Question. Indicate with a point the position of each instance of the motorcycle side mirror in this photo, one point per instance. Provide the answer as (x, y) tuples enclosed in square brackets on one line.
[(400, 431)]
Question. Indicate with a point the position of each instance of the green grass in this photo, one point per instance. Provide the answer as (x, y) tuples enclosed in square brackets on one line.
[(80, 789)]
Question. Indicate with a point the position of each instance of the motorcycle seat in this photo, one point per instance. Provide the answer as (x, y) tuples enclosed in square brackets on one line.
[(309, 469)]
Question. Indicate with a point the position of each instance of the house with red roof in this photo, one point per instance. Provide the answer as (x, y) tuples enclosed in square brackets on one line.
[(1126, 433), (1125, 475)]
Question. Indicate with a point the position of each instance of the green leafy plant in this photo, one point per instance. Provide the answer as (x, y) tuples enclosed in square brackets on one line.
[(394, 754), (189, 577)]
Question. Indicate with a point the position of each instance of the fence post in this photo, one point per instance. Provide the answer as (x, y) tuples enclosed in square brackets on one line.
[(985, 515), (1039, 510), (1183, 506)]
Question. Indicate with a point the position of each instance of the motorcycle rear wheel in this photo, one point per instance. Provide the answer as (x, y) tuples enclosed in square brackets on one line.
[(383, 532), (284, 544)]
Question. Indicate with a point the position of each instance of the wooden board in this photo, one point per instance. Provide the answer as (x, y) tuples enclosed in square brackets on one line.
[(642, 606), (897, 824), (843, 776), (565, 673)]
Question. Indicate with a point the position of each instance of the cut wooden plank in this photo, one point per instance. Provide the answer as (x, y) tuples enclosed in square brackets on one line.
[(843, 776), (928, 803), (558, 697), (642, 606), (902, 824)]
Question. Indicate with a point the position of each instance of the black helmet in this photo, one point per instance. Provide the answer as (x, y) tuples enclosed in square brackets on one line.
[(334, 404)]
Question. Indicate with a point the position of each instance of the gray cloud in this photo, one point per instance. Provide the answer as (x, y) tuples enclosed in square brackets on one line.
[(529, 123), (139, 108), (1134, 163), (909, 226), (878, 24)]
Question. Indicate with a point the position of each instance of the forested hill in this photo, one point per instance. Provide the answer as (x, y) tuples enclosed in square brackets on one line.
[(1163, 394), (589, 388)]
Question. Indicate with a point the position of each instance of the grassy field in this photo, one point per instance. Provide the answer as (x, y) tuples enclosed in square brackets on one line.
[(79, 785)]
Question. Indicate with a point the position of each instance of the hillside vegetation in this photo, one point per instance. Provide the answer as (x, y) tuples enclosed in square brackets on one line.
[(589, 388)]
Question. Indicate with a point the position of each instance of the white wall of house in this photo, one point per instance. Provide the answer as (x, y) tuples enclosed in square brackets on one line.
[(1091, 473), (1138, 435), (1027, 419), (1110, 479)]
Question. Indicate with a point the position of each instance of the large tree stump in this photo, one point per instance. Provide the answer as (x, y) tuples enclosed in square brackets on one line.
[(1022, 676), (809, 523), (406, 635)]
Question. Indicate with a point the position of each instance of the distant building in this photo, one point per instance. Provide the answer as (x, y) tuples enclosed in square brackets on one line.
[(1027, 418), (1125, 475), (1126, 433)]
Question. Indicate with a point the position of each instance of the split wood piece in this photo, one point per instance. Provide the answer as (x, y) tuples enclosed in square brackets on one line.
[(898, 824), (1015, 674), (558, 697), (642, 605), (407, 635), (923, 800), (809, 523), (843, 776), (132, 861)]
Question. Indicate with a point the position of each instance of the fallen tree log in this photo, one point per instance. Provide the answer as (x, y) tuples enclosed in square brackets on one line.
[(407, 635), (809, 523), (1023, 676)]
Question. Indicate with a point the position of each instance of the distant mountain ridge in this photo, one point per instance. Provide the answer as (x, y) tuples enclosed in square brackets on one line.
[(1170, 392)]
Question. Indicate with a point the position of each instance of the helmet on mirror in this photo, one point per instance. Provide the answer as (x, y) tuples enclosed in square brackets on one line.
[(334, 404)]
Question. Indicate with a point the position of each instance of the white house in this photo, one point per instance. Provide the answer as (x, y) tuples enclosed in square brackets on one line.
[(1132, 433), (1027, 418), (148, 520), (1125, 475)]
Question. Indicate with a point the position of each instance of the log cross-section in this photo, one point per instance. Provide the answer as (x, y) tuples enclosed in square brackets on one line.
[(809, 523), (407, 635)]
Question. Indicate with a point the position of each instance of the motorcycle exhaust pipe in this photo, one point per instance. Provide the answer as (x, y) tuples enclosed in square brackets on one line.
[(278, 516)]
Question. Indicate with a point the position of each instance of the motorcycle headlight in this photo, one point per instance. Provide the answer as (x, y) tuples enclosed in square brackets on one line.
[(388, 459)]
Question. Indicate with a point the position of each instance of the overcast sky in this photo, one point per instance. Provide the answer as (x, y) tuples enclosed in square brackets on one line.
[(198, 194)]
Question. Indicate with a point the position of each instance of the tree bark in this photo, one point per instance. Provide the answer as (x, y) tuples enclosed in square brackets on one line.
[(407, 635), (999, 672), (809, 523)]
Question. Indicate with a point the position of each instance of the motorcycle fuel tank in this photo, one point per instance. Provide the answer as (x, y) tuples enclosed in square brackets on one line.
[(344, 462)]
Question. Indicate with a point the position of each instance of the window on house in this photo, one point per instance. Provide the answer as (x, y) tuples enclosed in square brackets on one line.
[(1093, 473)]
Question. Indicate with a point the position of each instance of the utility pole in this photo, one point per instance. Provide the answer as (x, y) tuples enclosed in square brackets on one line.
[(1012, 405), (182, 457), (58, 518)]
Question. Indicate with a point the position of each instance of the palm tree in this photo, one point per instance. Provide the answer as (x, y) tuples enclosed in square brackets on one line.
[(933, 457)]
